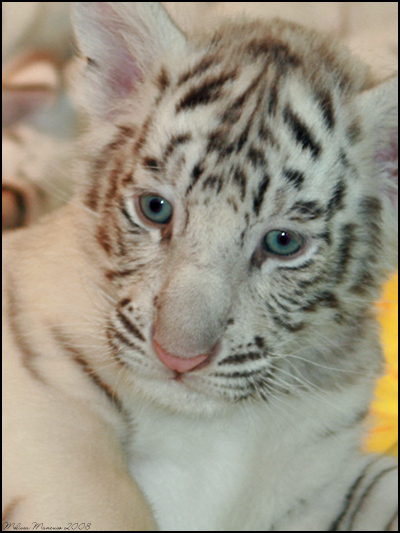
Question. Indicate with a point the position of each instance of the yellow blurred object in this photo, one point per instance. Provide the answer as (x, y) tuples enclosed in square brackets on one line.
[(383, 437)]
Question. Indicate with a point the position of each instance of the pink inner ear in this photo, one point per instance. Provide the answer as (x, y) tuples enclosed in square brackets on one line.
[(114, 69), (123, 75), (388, 161)]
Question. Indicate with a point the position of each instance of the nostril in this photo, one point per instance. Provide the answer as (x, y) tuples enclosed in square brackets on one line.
[(179, 364)]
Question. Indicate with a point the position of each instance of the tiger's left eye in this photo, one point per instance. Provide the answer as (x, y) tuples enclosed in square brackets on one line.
[(155, 208), (283, 243)]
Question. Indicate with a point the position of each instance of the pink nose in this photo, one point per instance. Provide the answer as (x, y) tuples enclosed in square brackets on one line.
[(179, 364)]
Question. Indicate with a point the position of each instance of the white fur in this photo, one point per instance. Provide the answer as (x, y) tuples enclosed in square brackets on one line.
[(241, 470), (285, 456)]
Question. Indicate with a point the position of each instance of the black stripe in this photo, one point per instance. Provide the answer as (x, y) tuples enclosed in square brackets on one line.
[(279, 304), (195, 176), (111, 275), (304, 283), (354, 132), (259, 197), (241, 358), (275, 50), (204, 64), (129, 326), (259, 341), (325, 298), (231, 201), (370, 210), (344, 250), (151, 163), (283, 322), (237, 374), (295, 303), (365, 280), (143, 133), (114, 336), (305, 210), (218, 142), (349, 498), (301, 132), (256, 157), (326, 106), (176, 140), (233, 113), (295, 177), (365, 495), (206, 93), (265, 133), (240, 179), (273, 99), (163, 80), (125, 301), (242, 139), (336, 202), (213, 182), (127, 342)]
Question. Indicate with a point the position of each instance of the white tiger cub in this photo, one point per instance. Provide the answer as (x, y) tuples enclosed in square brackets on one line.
[(202, 310)]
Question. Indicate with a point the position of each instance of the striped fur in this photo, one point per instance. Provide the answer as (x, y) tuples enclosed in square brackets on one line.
[(251, 128)]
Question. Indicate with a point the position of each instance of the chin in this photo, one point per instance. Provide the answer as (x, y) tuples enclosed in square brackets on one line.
[(175, 396)]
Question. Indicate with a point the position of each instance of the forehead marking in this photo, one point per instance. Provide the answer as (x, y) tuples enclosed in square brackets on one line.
[(301, 132), (207, 92), (259, 196)]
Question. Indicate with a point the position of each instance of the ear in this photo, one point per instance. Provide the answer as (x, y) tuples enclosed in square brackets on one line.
[(379, 112), (122, 42)]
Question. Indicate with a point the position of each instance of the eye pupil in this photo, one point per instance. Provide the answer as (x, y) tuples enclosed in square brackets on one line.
[(284, 239), (156, 205)]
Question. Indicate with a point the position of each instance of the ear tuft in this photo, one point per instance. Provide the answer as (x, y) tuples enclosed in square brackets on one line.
[(122, 41)]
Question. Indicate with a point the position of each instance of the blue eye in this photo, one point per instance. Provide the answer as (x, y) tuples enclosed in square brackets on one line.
[(155, 208), (282, 243)]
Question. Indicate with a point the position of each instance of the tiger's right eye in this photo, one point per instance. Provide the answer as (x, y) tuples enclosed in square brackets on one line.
[(155, 208)]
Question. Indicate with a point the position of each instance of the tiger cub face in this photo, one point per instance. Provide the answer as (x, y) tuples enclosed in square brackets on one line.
[(244, 184)]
